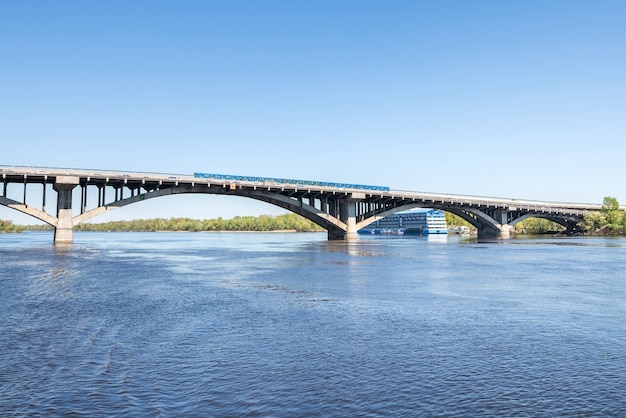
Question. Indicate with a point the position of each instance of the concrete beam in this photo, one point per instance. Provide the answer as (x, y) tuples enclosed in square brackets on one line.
[(347, 214), (64, 186)]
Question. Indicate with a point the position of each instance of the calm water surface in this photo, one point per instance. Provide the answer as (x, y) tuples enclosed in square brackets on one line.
[(165, 324)]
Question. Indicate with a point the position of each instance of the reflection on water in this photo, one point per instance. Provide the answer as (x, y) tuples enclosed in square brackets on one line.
[(292, 324)]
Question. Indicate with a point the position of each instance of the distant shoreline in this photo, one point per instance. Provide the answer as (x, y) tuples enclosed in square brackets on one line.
[(289, 222), (276, 231), (215, 232)]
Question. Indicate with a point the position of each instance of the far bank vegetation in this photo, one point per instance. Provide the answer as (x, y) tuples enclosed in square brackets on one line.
[(263, 223), (9, 226), (611, 220)]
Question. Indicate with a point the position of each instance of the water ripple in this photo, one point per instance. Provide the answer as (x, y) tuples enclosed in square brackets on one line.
[(307, 328)]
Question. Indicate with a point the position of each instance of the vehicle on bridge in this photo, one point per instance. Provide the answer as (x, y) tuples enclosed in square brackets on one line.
[(271, 181)]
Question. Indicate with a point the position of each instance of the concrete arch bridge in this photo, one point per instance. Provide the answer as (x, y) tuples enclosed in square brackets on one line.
[(342, 209)]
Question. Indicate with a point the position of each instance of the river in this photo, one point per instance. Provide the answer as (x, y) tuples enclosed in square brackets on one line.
[(286, 324)]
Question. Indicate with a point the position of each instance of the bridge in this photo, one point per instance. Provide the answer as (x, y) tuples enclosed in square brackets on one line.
[(341, 209)]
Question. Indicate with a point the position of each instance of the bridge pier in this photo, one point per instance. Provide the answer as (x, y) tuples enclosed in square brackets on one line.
[(347, 214), (63, 230), (571, 227), (505, 231), (342, 236), (501, 229), (499, 232)]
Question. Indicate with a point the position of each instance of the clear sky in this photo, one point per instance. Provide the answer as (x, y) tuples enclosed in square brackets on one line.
[(522, 99)]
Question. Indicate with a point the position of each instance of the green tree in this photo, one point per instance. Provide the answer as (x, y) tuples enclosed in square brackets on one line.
[(538, 226), (593, 221), (455, 220), (613, 215), (9, 226), (609, 204), (289, 221), (610, 219)]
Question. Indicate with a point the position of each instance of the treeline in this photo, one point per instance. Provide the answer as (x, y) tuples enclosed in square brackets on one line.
[(286, 222), (611, 220), (453, 220), (538, 226), (8, 226)]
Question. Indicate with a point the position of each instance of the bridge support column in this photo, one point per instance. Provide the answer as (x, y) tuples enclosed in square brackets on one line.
[(349, 208), (505, 231), (64, 186), (571, 227), (347, 214), (489, 231)]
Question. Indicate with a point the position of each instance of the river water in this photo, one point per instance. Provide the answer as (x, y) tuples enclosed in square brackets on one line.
[(279, 324)]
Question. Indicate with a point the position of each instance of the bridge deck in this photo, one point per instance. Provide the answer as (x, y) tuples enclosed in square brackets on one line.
[(149, 181)]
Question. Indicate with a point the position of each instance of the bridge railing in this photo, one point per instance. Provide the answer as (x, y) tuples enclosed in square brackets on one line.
[(82, 171), (446, 197)]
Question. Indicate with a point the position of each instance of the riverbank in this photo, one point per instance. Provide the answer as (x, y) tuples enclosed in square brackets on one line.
[(289, 222)]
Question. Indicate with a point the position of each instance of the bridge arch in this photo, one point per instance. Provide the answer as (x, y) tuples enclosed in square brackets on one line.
[(340, 208), (29, 210), (330, 223), (480, 220), (380, 215), (484, 224), (571, 223), (334, 225)]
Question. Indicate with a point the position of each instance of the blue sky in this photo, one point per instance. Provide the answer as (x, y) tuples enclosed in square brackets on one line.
[(522, 99)]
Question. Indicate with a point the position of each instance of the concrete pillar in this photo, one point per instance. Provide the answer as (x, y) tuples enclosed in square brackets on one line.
[(64, 186), (347, 214), (43, 199), (501, 216), (332, 207), (571, 227), (505, 231), (83, 199), (334, 235), (489, 231)]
